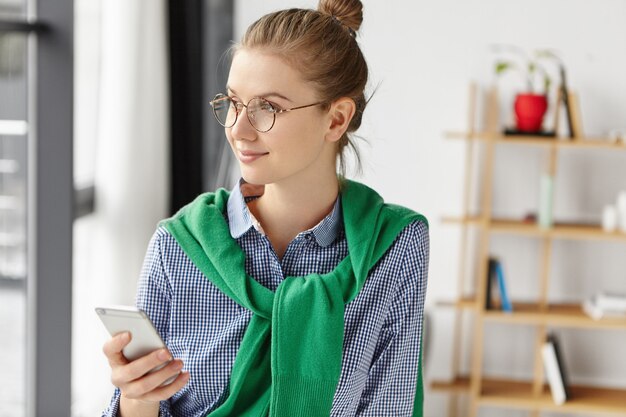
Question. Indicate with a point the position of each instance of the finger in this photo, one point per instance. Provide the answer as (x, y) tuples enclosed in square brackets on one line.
[(142, 387), (113, 349), (140, 367), (165, 392)]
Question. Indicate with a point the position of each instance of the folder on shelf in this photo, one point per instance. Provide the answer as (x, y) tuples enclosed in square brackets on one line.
[(497, 294), (491, 275), (504, 296), (555, 369)]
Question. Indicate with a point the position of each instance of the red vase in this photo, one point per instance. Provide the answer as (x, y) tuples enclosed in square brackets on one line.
[(529, 112)]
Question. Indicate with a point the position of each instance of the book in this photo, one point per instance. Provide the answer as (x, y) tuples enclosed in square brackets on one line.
[(555, 369), (491, 284), (604, 305), (611, 302), (504, 296), (497, 294)]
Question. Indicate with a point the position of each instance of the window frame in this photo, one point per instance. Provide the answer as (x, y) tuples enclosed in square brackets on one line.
[(49, 27)]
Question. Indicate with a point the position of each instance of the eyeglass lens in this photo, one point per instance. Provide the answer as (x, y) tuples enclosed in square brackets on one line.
[(259, 111)]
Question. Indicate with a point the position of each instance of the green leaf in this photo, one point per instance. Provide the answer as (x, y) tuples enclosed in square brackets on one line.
[(502, 66), (546, 53)]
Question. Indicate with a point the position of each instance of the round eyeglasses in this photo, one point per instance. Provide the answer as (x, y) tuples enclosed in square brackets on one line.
[(261, 113)]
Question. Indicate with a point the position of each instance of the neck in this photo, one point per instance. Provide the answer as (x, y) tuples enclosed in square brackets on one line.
[(288, 208)]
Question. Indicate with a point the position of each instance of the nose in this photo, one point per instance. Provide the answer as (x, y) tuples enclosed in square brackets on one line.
[(242, 129)]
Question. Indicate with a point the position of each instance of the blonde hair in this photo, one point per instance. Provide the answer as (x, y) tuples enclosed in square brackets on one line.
[(321, 44)]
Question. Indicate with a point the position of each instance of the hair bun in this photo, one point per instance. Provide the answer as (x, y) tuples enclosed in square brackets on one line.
[(348, 12)]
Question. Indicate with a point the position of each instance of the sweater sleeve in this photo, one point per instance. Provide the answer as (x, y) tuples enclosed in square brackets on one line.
[(154, 297), (392, 380)]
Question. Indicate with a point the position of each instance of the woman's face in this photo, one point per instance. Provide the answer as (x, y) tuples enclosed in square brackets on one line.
[(296, 148)]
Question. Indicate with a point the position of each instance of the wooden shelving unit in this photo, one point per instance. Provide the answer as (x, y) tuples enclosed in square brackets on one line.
[(572, 231), (548, 142), (541, 313), (530, 313), (519, 394)]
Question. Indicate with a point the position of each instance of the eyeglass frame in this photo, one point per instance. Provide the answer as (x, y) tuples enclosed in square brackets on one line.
[(239, 105)]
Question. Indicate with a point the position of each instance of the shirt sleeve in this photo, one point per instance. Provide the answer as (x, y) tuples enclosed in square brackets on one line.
[(392, 380), (114, 407), (154, 297)]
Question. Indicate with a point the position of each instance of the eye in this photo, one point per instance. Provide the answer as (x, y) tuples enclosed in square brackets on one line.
[(238, 104), (269, 107)]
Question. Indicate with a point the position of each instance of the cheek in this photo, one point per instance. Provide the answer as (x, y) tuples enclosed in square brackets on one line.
[(292, 146), (229, 138), (299, 137)]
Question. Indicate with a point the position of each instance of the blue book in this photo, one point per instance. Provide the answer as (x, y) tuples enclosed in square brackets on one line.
[(504, 297)]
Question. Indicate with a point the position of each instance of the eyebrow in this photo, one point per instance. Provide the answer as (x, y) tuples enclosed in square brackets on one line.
[(270, 94)]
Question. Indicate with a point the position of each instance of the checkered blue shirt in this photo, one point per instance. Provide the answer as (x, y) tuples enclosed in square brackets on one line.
[(204, 328)]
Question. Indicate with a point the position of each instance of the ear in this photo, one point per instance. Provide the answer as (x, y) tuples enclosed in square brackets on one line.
[(341, 112)]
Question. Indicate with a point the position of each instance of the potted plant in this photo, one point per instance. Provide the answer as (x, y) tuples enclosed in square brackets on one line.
[(530, 105)]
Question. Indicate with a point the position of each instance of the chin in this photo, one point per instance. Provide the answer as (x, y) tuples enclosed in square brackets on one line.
[(255, 178)]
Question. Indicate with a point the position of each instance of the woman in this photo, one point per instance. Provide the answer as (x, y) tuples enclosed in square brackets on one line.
[(297, 293)]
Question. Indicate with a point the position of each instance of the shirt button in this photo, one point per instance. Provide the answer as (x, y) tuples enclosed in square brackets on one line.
[(307, 237)]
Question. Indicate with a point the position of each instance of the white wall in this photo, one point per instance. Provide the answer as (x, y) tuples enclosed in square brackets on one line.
[(422, 55)]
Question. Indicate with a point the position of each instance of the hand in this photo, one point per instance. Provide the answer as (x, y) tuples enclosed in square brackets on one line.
[(132, 377)]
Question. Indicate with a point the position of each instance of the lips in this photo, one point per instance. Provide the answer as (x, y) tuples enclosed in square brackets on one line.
[(250, 156)]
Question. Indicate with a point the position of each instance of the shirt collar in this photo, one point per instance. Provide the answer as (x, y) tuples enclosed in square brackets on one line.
[(240, 219)]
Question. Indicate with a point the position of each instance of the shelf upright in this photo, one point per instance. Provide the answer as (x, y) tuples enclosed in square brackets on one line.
[(544, 278), (463, 250), (483, 260)]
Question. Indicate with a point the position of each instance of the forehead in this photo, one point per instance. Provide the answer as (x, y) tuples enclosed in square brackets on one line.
[(256, 73)]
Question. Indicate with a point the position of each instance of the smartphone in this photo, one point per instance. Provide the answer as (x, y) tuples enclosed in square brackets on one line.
[(144, 337)]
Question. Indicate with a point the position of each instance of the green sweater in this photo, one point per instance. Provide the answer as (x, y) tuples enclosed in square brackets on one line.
[(289, 360)]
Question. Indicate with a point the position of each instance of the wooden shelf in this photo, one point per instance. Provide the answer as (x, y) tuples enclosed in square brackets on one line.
[(560, 315), (573, 231), (518, 394), (464, 303), (543, 141), (473, 221), (459, 385)]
